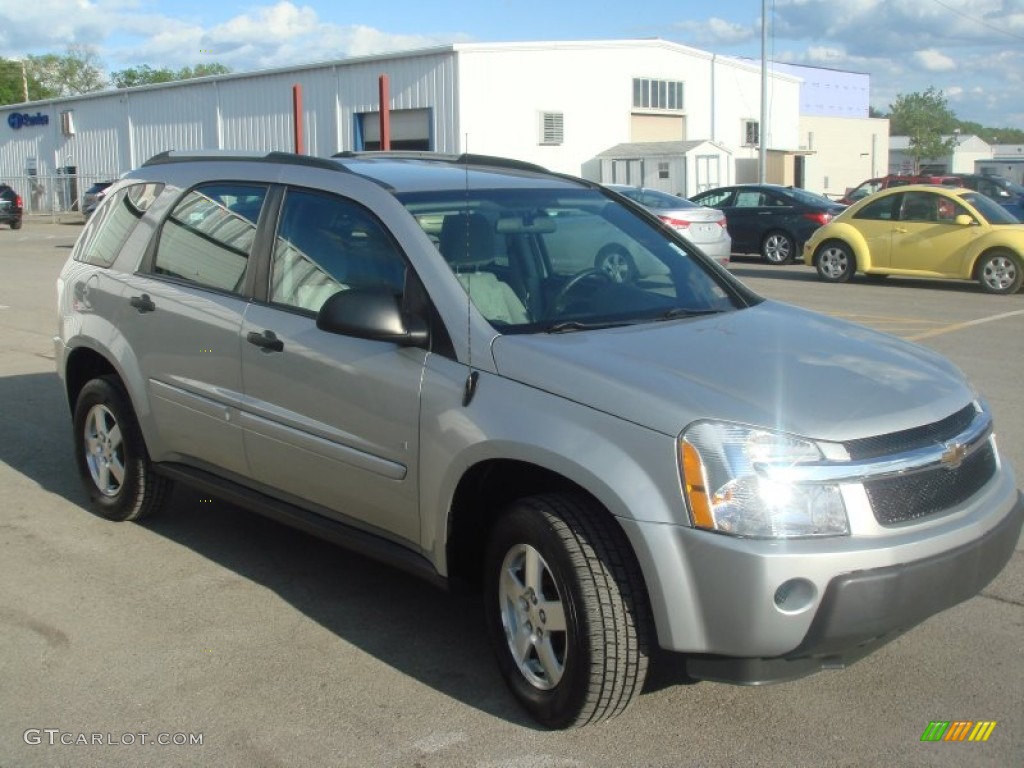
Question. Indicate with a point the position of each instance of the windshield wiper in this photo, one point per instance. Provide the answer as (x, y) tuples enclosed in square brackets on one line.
[(568, 326), (677, 312)]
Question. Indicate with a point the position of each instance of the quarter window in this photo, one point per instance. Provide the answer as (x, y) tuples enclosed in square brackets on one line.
[(208, 237), (326, 244), (114, 223)]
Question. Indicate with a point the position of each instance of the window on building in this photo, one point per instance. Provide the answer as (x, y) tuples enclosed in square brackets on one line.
[(657, 94), (552, 128), (751, 133), (662, 170)]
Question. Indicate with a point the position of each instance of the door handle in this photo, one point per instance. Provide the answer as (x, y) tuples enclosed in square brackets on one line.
[(142, 303), (266, 341)]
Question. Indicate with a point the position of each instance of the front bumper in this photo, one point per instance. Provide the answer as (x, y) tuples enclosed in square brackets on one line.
[(752, 610), (864, 610)]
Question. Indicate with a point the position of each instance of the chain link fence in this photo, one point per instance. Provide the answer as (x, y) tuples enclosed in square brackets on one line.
[(54, 195)]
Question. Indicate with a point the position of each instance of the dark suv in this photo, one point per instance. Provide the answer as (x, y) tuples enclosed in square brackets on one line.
[(1003, 191), (426, 359), (10, 207)]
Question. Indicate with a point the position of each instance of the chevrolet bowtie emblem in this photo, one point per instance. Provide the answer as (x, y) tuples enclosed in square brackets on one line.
[(953, 456)]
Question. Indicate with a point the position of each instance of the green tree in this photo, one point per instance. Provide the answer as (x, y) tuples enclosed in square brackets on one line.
[(146, 75), (75, 71), (12, 85), (924, 118)]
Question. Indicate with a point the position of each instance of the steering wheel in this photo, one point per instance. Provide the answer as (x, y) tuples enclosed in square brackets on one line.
[(574, 282)]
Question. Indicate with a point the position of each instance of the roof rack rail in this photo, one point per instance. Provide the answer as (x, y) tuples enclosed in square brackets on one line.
[(465, 158), (178, 156)]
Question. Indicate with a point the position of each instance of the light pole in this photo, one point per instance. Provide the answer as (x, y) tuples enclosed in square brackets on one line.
[(24, 80), (762, 130)]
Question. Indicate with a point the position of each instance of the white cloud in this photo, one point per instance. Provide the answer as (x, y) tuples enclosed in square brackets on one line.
[(717, 32), (934, 61)]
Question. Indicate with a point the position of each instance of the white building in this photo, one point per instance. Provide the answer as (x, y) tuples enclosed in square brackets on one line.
[(562, 105), (967, 151)]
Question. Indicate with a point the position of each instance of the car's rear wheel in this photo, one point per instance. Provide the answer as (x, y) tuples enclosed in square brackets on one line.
[(1000, 272), (16, 224), (566, 610), (111, 455), (835, 262), (778, 248)]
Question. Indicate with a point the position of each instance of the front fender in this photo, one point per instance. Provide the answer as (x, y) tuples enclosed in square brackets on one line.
[(853, 239), (629, 469)]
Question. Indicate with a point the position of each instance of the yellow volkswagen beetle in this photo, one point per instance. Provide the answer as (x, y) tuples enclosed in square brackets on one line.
[(922, 231)]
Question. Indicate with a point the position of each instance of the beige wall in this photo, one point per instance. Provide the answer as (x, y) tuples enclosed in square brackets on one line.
[(657, 128), (844, 152)]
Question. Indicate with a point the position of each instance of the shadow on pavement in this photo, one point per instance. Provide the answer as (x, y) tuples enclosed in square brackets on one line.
[(434, 637)]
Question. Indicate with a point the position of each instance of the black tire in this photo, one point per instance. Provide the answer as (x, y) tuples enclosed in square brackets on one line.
[(614, 260), (16, 224), (111, 455), (778, 248), (591, 661), (1000, 272), (835, 262)]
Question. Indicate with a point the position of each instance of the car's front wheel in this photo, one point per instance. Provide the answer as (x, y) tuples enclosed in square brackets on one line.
[(778, 248), (1000, 272), (566, 610), (111, 455), (835, 262)]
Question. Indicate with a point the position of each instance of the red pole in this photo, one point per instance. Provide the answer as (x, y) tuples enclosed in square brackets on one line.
[(297, 118), (385, 114)]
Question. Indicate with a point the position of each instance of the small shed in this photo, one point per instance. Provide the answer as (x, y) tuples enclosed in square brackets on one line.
[(677, 167)]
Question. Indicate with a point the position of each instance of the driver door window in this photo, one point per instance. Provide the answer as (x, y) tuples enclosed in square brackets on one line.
[(327, 244)]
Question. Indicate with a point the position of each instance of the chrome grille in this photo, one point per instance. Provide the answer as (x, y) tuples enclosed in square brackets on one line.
[(910, 497)]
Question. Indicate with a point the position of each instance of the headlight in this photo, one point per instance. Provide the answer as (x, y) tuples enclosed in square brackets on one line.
[(727, 472)]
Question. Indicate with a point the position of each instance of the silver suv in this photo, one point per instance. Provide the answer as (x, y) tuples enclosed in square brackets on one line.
[(423, 358)]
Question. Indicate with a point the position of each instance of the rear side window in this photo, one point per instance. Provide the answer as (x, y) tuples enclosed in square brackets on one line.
[(208, 237), (114, 222), (880, 210)]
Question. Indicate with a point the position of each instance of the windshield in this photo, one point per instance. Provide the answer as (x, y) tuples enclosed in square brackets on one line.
[(993, 212), (553, 260)]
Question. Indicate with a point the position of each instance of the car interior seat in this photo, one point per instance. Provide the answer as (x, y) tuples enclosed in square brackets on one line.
[(467, 243)]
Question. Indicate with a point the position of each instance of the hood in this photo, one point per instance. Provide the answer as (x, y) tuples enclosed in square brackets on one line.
[(772, 365)]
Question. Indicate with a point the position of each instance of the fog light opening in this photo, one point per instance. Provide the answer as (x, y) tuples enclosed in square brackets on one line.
[(794, 596)]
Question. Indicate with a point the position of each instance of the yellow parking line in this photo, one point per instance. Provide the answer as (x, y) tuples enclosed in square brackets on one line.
[(966, 324)]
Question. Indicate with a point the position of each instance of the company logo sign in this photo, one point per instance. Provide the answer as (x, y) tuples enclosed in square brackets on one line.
[(958, 730), (22, 119)]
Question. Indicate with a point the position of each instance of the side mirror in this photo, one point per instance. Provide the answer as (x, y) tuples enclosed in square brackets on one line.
[(371, 313), (964, 220)]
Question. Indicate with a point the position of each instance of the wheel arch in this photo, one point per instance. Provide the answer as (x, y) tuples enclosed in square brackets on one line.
[(861, 258), (482, 493), (992, 249), (83, 365)]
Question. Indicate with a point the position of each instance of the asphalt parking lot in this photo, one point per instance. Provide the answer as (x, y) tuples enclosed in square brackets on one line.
[(274, 649)]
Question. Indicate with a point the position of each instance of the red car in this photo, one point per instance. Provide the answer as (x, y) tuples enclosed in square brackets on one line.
[(874, 185), (10, 207)]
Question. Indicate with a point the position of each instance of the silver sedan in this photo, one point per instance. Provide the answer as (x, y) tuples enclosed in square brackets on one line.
[(704, 227)]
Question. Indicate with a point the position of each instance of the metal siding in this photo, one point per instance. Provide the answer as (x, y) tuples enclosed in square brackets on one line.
[(163, 120)]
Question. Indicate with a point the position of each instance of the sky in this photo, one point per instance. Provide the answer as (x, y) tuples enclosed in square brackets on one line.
[(970, 50)]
